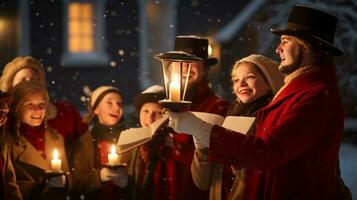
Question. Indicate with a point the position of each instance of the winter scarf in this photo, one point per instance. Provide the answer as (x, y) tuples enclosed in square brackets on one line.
[(249, 109), (110, 134), (36, 136)]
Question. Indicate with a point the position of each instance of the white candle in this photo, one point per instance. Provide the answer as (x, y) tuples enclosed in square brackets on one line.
[(174, 88), (113, 156), (56, 162)]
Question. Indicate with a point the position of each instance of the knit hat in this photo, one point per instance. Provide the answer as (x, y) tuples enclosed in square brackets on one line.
[(16, 65), (269, 68), (98, 94), (153, 94), (21, 91)]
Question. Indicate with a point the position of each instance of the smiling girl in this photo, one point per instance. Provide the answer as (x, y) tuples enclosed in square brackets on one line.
[(33, 144), (255, 80)]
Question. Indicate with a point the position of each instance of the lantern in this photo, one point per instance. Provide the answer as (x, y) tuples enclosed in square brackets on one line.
[(176, 67)]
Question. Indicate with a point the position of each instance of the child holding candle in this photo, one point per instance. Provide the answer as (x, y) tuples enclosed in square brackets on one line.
[(143, 165), (33, 143), (94, 152)]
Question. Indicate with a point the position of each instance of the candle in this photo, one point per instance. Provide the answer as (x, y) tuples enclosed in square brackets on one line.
[(113, 156), (56, 162), (174, 88)]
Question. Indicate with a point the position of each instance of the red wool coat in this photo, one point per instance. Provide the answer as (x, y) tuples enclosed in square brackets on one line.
[(173, 179), (293, 154)]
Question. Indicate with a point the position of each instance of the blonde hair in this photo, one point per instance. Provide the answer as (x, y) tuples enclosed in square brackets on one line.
[(319, 54)]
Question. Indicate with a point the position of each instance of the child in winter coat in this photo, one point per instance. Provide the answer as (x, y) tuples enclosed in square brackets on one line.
[(255, 80), (61, 115), (93, 178), (33, 144), (143, 164)]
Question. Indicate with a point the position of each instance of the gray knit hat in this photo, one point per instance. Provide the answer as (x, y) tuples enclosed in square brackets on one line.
[(16, 65), (269, 68)]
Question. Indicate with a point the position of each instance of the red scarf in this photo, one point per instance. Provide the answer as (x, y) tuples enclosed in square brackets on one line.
[(36, 136)]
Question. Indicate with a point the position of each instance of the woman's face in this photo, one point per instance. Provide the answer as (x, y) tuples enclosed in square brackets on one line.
[(248, 83), (149, 113), (33, 110), (110, 109), (25, 74)]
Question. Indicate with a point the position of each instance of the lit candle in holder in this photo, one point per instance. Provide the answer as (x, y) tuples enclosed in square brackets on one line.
[(56, 162), (174, 88), (113, 156)]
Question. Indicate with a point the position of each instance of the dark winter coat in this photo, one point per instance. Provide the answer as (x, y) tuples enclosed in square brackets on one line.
[(293, 154), (90, 155)]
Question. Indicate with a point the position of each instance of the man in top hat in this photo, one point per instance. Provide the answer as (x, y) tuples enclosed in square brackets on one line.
[(176, 168), (293, 154)]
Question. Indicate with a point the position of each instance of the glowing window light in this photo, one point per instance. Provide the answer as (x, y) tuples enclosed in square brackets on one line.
[(80, 28)]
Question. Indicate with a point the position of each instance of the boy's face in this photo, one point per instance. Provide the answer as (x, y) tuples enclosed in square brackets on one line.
[(110, 109), (149, 113), (33, 110)]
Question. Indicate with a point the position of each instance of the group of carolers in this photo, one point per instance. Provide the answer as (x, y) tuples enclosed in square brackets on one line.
[(173, 165), (160, 169)]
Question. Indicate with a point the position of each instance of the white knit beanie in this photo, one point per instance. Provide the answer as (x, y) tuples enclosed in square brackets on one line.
[(16, 65)]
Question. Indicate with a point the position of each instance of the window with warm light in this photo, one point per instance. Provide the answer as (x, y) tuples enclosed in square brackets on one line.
[(80, 27), (84, 33)]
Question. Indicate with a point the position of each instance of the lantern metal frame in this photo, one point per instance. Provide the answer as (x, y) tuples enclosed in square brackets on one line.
[(166, 60)]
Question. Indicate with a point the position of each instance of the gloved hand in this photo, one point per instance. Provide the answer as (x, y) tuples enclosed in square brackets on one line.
[(198, 144), (188, 123), (122, 179), (107, 174), (57, 181)]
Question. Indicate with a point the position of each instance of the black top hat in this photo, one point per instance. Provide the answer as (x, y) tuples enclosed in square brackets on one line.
[(313, 25), (195, 45)]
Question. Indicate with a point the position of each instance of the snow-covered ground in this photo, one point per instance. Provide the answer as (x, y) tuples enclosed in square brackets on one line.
[(348, 162)]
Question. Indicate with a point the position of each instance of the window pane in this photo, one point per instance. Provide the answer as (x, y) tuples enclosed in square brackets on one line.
[(80, 28)]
